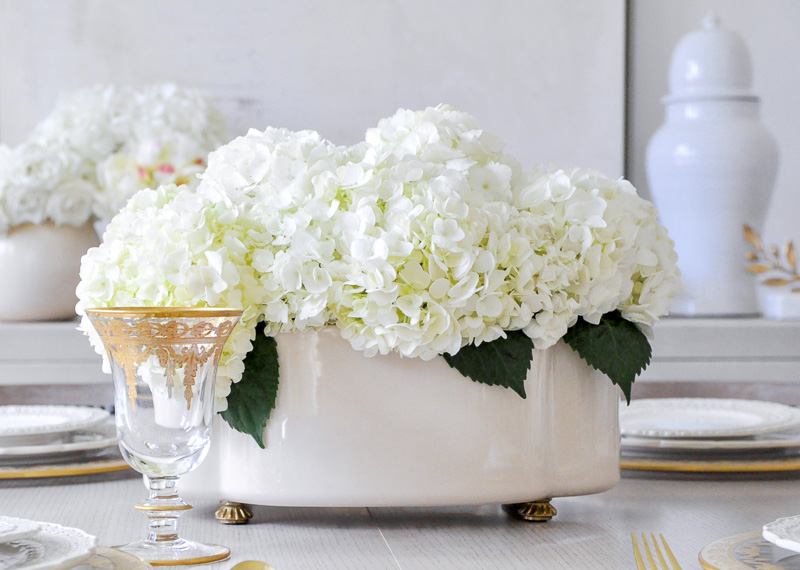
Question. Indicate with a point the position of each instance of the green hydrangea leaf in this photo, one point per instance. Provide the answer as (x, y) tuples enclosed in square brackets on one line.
[(252, 399), (502, 362), (614, 346)]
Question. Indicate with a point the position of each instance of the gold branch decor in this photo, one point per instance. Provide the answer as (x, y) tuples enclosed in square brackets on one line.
[(781, 266)]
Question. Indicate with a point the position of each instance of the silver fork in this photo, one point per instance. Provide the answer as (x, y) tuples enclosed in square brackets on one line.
[(637, 554)]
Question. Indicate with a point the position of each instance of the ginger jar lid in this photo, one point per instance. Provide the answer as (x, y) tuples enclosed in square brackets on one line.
[(713, 62)]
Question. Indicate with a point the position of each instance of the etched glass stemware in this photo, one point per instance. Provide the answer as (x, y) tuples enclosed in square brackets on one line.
[(164, 364)]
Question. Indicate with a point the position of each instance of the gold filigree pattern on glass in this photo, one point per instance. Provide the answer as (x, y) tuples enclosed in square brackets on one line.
[(174, 343)]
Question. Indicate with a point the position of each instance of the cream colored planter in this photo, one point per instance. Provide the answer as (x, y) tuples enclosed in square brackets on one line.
[(390, 431), (39, 271)]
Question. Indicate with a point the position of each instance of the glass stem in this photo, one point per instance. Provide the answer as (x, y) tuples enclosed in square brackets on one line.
[(163, 509)]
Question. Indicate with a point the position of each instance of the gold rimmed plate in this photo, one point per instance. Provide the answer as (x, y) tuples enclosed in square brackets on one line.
[(749, 551), (92, 467)]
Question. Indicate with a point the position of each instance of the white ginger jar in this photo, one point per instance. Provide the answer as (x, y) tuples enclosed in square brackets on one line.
[(711, 169)]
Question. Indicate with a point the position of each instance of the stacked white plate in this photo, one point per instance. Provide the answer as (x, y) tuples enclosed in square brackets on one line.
[(36, 435), (711, 430), (31, 545)]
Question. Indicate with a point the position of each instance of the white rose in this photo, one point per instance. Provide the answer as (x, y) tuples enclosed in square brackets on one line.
[(71, 203), (119, 177), (35, 166), (26, 205)]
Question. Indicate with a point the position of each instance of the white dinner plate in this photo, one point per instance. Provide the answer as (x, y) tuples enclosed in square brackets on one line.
[(54, 547), (783, 532), (688, 418), (31, 425), (13, 528), (75, 443)]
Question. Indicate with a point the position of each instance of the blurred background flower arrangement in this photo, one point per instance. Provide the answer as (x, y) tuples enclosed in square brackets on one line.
[(99, 146)]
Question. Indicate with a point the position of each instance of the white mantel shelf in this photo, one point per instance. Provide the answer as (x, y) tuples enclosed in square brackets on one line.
[(684, 349), (725, 350), (46, 353)]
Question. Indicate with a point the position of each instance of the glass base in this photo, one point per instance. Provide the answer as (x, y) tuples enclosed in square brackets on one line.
[(178, 552)]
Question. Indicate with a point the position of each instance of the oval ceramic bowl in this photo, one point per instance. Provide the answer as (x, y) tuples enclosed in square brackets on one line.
[(390, 431)]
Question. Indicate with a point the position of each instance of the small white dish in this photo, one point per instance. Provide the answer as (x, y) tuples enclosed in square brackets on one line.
[(689, 418), (30, 424), (783, 532), (13, 528), (97, 437), (54, 547)]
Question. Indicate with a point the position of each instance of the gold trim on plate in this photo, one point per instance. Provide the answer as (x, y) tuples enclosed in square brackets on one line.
[(91, 468), (724, 466)]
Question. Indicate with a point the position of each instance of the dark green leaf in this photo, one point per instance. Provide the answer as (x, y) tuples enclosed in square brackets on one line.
[(502, 362), (252, 399), (615, 347)]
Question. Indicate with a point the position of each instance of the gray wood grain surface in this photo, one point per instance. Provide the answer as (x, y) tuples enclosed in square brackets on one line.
[(588, 533)]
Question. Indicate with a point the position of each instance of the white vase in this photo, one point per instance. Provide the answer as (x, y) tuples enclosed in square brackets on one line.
[(390, 431), (40, 266), (711, 168)]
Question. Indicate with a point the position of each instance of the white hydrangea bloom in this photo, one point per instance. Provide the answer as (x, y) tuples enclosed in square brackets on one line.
[(611, 245), (421, 239), (176, 247), (115, 141)]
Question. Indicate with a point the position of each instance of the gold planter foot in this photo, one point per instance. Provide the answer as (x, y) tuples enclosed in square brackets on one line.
[(233, 513), (535, 511)]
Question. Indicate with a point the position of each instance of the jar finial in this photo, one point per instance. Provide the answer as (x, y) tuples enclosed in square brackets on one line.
[(711, 21)]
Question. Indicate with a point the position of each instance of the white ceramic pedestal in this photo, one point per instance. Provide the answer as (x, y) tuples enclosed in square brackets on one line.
[(40, 269), (390, 431)]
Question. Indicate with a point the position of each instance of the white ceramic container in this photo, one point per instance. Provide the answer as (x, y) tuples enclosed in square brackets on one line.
[(40, 269), (390, 431), (711, 168)]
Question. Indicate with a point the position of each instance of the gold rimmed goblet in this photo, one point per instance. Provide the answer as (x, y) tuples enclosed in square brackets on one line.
[(164, 364)]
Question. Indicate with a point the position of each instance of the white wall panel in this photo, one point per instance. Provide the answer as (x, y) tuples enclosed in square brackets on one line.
[(546, 76)]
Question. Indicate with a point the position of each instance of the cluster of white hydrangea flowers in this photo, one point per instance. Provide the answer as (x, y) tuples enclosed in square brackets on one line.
[(175, 247), (606, 244), (421, 239), (100, 146), (220, 244)]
